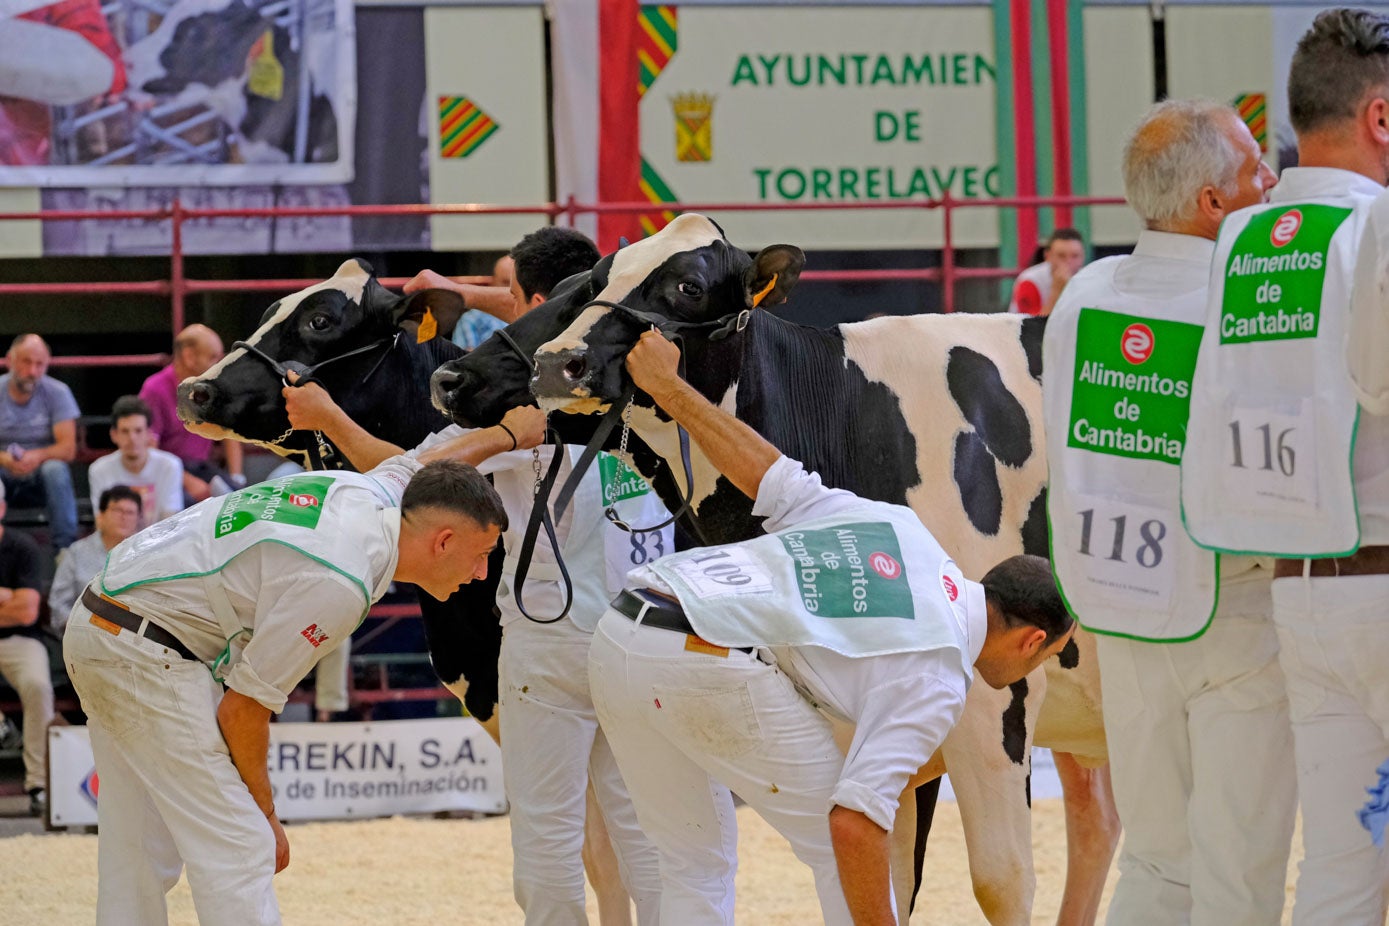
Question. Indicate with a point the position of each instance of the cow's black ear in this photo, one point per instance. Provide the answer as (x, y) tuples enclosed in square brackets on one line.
[(773, 273), (429, 313)]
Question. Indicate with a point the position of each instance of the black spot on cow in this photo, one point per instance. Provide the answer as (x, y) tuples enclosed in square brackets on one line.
[(1015, 723), (986, 403), (1027, 786), (1069, 657), (1032, 330), (209, 48), (976, 477), (1035, 532)]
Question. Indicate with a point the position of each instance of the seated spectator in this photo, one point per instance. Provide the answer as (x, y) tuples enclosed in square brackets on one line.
[(1039, 286), (196, 348), (117, 517), (38, 431), (23, 657), (156, 476)]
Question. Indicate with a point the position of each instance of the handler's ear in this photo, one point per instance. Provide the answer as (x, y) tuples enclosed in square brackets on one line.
[(773, 273), (429, 313)]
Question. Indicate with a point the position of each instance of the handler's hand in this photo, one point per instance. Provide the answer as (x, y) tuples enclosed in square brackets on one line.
[(527, 423), (309, 406), (281, 844), (654, 364), (428, 279)]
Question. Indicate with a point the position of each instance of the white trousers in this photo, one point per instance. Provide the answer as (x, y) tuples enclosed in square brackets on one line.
[(169, 794), (1200, 753), (24, 665), (551, 747), (1335, 652), (688, 727)]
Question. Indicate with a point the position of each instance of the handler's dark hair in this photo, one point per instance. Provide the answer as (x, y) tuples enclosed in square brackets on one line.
[(1025, 592), (456, 487), (550, 254), (118, 494), (1342, 59), (128, 405)]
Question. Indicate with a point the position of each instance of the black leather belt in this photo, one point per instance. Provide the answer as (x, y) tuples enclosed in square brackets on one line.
[(667, 616), (115, 613)]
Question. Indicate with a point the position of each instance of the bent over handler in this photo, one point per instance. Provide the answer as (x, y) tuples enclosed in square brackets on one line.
[(255, 586), (708, 671)]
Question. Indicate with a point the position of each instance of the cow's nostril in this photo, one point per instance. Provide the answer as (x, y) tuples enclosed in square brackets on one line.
[(576, 368), (200, 394)]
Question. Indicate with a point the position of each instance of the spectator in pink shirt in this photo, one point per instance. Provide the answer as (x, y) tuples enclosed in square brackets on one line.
[(196, 348)]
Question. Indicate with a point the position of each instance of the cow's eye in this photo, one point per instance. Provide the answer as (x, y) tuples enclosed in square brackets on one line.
[(319, 322), (693, 290)]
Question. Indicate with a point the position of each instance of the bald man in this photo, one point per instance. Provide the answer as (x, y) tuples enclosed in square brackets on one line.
[(38, 431), (196, 348)]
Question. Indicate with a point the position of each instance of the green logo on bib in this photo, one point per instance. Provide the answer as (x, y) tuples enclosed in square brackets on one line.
[(850, 570), (620, 481), (1132, 391), (1273, 282), (296, 500)]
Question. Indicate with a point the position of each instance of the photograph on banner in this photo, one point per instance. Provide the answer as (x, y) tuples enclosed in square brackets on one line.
[(227, 92)]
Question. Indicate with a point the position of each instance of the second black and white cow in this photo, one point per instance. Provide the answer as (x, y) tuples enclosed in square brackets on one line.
[(942, 413), (362, 340)]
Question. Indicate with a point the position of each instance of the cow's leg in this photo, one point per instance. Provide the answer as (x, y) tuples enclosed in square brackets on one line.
[(988, 754), (600, 864), (1092, 833)]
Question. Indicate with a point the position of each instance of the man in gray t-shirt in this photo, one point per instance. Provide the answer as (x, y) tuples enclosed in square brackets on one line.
[(38, 437)]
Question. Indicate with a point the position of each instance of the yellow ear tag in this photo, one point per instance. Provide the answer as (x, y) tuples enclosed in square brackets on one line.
[(429, 327), (267, 75), (758, 297)]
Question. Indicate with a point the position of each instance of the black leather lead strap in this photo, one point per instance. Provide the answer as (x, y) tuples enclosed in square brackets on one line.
[(540, 517)]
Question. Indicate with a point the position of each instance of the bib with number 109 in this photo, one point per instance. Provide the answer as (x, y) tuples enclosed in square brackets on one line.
[(1122, 560), (1267, 469)]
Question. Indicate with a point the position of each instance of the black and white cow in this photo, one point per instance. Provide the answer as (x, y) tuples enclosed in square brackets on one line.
[(227, 56), (385, 389), (942, 413)]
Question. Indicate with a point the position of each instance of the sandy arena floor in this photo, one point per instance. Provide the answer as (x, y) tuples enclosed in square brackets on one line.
[(420, 872)]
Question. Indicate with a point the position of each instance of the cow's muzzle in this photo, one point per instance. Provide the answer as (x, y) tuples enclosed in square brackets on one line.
[(194, 399), (561, 374)]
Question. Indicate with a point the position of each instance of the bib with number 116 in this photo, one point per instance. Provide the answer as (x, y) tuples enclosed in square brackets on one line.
[(1117, 394), (1267, 468)]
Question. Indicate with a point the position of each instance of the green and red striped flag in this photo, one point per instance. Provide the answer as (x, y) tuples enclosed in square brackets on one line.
[(656, 190), (1039, 47), (657, 39), (463, 127), (1253, 109)]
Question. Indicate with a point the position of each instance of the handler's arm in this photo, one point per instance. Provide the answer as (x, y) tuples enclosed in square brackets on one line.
[(312, 409), (245, 725), (861, 852), (521, 429), (735, 449)]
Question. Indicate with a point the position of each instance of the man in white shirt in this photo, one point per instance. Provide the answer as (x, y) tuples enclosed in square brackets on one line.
[(1195, 707), (155, 475), (255, 586), (1281, 459), (117, 517), (708, 671), (1038, 287)]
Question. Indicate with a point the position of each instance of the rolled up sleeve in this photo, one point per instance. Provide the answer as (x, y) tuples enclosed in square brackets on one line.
[(789, 495)]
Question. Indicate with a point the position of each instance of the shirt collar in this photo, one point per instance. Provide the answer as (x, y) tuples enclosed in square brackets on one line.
[(976, 619), (1305, 182), (1171, 246)]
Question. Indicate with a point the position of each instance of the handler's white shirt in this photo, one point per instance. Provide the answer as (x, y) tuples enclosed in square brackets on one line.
[(902, 705), (1368, 357), (278, 592)]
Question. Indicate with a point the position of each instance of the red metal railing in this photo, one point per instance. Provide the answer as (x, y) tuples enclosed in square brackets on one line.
[(178, 286)]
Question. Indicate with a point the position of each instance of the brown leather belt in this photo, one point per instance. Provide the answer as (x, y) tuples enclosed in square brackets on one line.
[(665, 616), (112, 612), (1367, 561)]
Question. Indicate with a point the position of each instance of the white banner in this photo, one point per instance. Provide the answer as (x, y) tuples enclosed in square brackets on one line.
[(328, 771)]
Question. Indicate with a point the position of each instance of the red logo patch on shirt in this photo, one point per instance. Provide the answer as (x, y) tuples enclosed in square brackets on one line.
[(1137, 343), (884, 565), (314, 635), (1285, 229), (951, 591), (303, 501)]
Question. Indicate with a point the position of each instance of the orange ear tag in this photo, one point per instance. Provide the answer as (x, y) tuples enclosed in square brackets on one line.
[(429, 327), (758, 297)]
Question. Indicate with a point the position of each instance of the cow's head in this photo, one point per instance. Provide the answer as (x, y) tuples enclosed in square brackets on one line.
[(349, 314), (478, 388), (687, 279), (202, 47)]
